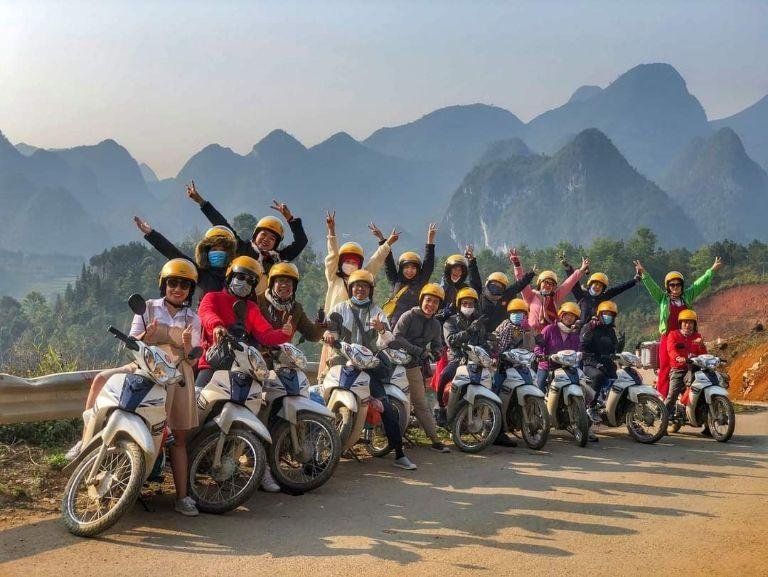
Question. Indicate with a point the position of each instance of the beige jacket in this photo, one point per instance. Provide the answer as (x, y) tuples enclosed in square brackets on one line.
[(337, 288)]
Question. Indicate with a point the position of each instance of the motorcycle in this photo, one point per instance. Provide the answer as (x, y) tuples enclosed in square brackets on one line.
[(565, 401), (227, 456), (705, 401), (122, 438), (305, 445), (473, 409), (346, 391), (522, 403), (374, 437), (631, 402)]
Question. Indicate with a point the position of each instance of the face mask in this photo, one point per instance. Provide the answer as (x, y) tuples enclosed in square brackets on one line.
[(592, 291), (467, 311), (240, 288), (516, 318), (495, 290), (217, 258), (360, 303), (348, 268), (607, 319), (563, 327)]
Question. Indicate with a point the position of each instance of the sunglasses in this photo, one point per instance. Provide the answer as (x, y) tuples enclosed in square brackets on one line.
[(181, 283), (244, 277), (675, 284)]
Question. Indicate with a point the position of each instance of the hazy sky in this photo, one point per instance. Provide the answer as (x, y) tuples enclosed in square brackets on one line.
[(167, 78)]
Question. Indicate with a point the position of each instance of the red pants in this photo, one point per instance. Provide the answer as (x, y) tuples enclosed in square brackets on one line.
[(662, 380)]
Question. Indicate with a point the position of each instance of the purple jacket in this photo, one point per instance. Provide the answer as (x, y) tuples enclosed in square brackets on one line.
[(552, 341)]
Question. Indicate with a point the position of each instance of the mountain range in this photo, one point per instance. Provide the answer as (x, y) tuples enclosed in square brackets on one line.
[(648, 127)]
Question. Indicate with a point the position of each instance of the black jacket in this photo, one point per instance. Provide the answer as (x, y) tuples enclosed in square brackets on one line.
[(244, 247), (414, 332), (459, 330), (588, 303), (471, 279), (598, 343), (410, 298), (496, 312)]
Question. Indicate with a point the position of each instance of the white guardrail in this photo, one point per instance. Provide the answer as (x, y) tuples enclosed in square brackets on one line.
[(58, 396)]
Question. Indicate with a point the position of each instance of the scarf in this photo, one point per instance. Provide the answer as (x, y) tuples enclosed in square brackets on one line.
[(279, 310)]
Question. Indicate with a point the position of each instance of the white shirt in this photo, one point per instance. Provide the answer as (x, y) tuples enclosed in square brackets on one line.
[(181, 319)]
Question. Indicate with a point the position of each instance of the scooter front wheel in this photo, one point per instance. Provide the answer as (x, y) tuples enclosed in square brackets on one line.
[(377, 444), (721, 418), (579, 427), (475, 435), (535, 425), (89, 509), (344, 422), (647, 420), (226, 486)]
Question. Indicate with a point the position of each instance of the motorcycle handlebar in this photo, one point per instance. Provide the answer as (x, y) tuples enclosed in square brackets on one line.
[(130, 342)]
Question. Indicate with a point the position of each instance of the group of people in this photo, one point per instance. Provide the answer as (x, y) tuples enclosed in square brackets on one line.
[(430, 321)]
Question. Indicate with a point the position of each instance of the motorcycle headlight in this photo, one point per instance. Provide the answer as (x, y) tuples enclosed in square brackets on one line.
[(292, 355), (481, 357), (519, 357), (567, 358), (259, 367), (160, 367), (397, 356), (630, 360)]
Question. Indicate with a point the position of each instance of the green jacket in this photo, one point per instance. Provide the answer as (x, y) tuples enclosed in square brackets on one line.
[(661, 296)]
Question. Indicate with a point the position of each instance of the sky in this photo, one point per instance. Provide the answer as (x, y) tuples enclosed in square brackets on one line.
[(165, 79)]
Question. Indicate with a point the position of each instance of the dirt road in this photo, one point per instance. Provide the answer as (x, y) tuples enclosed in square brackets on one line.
[(688, 505)]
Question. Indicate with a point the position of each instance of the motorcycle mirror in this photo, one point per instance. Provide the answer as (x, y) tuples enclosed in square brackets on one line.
[(240, 309), (137, 303)]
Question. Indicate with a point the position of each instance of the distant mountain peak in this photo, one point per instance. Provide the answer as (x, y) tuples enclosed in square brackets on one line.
[(7, 150), (147, 173), (585, 92), (658, 78), (504, 149), (339, 142), (278, 144), (591, 140)]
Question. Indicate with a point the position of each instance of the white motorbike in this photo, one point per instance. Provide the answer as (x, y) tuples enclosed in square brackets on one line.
[(706, 401), (631, 402), (122, 437), (565, 401), (346, 391), (305, 445), (227, 456), (522, 403), (374, 437), (473, 409)]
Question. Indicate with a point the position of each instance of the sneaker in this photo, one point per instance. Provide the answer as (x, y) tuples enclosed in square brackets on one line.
[(405, 463), (187, 507), (593, 415), (592, 438), (268, 482), (440, 447), (73, 453), (504, 440)]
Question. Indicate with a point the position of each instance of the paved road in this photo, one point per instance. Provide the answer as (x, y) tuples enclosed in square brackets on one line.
[(688, 505)]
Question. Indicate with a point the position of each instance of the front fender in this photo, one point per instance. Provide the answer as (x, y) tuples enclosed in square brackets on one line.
[(474, 391), (132, 425), (292, 405), (397, 393), (527, 391), (713, 391), (572, 391), (342, 397), (634, 391), (232, 413)]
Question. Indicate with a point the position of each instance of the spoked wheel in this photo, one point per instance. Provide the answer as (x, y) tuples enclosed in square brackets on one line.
[(377, 443), (579, 426), (230, 484), (482, 431), (88, 510), (647, 420), (319, 450), (721, 418), (535, 426), (344, 422)]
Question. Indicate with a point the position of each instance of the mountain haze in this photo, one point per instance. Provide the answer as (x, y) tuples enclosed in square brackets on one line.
[(751, 124)]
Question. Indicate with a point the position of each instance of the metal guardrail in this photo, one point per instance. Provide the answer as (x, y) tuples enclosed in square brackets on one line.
[(57, 396)]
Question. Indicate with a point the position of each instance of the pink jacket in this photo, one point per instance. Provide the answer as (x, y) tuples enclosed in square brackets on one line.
[(535, 300)]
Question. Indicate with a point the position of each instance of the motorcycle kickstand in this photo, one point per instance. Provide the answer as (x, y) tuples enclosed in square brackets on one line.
[(350, 453)]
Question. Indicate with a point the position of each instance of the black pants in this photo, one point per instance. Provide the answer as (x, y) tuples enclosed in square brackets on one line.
[(676, 388), (379, 376), (599, 377), (203, 378), (447, 375)]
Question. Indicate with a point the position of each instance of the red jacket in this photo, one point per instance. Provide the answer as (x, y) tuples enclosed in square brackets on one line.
[(678, 345), (216, 311)]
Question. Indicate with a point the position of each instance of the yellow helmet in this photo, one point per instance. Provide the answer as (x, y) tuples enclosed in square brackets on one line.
[(465, 293), (569, 307), (517, 305), (409, 257), (607, 307), (546, 274), (287, 269), (221, 231), (178, 268), (455, 259), (351, 248), (687, 315), (598, 277), (434, 290), (498, 277), (673, 275), (246, 265), (360, 275), (271, 224)]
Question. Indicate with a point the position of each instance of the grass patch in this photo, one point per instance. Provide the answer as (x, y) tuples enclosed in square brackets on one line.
[(47, 434)]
